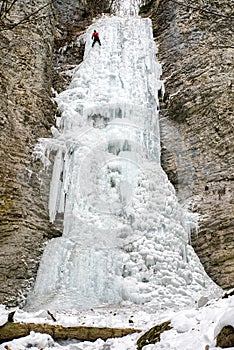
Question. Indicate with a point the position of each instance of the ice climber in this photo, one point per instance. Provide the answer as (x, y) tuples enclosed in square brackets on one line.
[(95, 37)]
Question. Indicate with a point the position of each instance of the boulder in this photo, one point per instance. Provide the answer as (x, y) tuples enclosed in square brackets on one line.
[(153, 335), (225, 338)]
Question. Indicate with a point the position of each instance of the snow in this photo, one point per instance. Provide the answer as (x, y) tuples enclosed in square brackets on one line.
[(3, 315), (34, 341), (192, 329)]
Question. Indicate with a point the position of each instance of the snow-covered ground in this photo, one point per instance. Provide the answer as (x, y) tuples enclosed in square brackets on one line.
[(193, 329)]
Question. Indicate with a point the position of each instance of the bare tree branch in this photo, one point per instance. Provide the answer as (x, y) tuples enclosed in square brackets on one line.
[(6, 7), (206, 9), (202, 9), (9, 26)]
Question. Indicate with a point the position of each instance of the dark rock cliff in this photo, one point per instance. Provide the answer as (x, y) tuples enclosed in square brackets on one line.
[(196, 51)]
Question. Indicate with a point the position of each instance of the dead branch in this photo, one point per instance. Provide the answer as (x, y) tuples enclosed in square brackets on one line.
[(27, 18)]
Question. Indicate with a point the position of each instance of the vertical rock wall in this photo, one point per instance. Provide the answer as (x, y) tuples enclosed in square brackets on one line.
[(27, 112), (197, 121)]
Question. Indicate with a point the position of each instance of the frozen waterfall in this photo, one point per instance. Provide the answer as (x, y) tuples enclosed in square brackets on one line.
[(125, 236)]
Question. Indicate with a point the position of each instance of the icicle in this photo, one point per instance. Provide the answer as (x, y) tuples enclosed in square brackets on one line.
[(56, 198)]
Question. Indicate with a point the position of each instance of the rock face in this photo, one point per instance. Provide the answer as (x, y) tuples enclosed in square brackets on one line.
[(27, 112), (196, 52)]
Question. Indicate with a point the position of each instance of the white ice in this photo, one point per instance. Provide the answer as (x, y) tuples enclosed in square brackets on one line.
[(125, 236), (3, 315)]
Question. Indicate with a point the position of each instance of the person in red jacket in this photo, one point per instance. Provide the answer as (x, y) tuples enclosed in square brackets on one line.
[(95, 37)]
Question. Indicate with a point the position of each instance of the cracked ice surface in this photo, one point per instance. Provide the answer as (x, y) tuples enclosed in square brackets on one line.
[(125, 236)]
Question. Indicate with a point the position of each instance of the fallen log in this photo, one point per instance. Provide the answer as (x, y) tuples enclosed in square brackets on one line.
[(11, 330)]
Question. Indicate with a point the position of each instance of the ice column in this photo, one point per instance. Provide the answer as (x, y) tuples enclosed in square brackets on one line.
[(124, 233)]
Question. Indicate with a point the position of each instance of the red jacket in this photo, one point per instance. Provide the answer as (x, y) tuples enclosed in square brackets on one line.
[(95, 35)]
